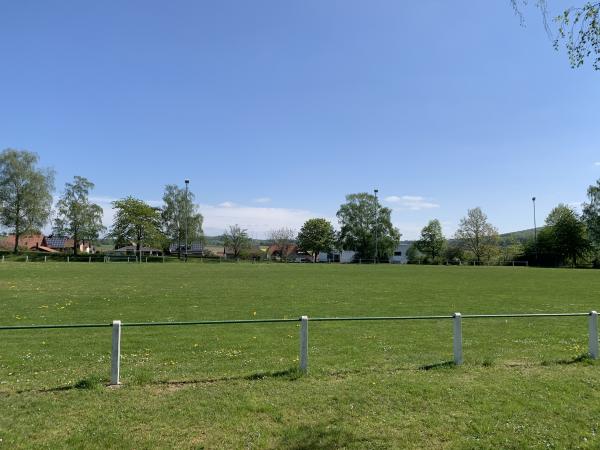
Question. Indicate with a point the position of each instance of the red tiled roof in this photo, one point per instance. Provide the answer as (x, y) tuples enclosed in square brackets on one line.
[(29, 241)]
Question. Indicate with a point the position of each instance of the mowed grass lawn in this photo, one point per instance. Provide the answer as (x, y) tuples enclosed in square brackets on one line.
[(370, 384)]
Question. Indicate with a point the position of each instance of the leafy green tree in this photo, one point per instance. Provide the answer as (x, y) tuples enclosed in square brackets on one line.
[(511, 248), (179, 210), (578, 28), (432, 241), (363, 220), (413, 254), (568, 232), (316, 235), (477, 235), (25, 193), (237, 239), (77, 216), (591, 218), (136, 221), (454, 253)]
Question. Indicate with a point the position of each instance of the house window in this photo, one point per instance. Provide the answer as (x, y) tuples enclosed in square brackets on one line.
[(397, 253)]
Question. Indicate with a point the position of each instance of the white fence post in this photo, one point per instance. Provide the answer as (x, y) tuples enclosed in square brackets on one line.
[(457, 342), (304, 344), (26, 258), (116, 353), (593, 337), (67, 259), (45, 258)]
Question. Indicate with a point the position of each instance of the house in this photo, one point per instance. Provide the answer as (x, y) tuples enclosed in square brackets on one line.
[(29, 241), (195, 248), (132, 250), (401, 253), (332, 256), (65, 245), (341, 256), (292, 253)]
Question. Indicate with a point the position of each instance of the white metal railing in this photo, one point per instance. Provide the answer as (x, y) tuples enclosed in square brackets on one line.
[(457, 341)]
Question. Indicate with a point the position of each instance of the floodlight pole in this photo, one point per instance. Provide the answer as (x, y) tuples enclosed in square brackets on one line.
[(535, 231), (187, 182), (376, 225)]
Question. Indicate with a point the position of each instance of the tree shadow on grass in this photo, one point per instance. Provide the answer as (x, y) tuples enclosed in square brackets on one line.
[(293, 373), (320, 436), (583, 358), (88, 383), (440, 365)]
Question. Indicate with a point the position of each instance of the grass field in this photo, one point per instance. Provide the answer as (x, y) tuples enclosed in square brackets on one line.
[(370, 385)]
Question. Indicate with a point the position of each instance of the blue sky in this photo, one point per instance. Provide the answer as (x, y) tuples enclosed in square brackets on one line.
[(277, 109)]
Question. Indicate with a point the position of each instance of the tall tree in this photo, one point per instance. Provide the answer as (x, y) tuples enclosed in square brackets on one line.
[(25, 193), (432, 241), (316, 235), (282, 238), (237, 239), (578, 28), (591, 215), (77, 216), (363, 221), (178, 212), (568, 233), (137, 222), (477, 235)]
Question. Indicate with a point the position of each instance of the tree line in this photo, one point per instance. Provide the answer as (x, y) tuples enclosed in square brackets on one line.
[(365, 226), (26, 207), (567, 238)]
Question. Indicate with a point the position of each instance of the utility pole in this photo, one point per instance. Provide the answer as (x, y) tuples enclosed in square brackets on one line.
[(535, 231), (187, 214), (376, 224)]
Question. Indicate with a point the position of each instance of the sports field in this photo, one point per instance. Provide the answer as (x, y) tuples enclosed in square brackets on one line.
[(370, 384)]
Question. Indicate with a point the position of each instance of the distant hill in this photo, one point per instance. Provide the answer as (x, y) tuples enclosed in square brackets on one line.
[(521, 236)]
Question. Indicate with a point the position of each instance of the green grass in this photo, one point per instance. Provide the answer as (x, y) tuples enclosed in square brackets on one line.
[(525, 382)]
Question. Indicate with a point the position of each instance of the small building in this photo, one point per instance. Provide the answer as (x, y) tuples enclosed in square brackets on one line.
[(195, 248), (291, 253), (341, 256), (332, 256), (347, 256), (65, 245), (401, 253), (132, 250)]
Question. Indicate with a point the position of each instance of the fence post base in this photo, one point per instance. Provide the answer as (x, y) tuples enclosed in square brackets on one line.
[(304, 344), (457, 341), (593, 334), (116, 353)]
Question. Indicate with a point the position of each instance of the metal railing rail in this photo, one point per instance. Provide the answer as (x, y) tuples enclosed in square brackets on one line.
[(593, 343)]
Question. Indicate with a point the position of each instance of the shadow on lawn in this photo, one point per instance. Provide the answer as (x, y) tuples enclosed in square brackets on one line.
[(96, 382), (291, 374), (584, 358), (440, 365), (320, 436)]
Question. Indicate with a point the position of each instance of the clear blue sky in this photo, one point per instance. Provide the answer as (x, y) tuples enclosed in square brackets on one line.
[(277, 109)]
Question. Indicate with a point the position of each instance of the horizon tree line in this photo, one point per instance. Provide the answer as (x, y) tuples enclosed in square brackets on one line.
[(365, 226)]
